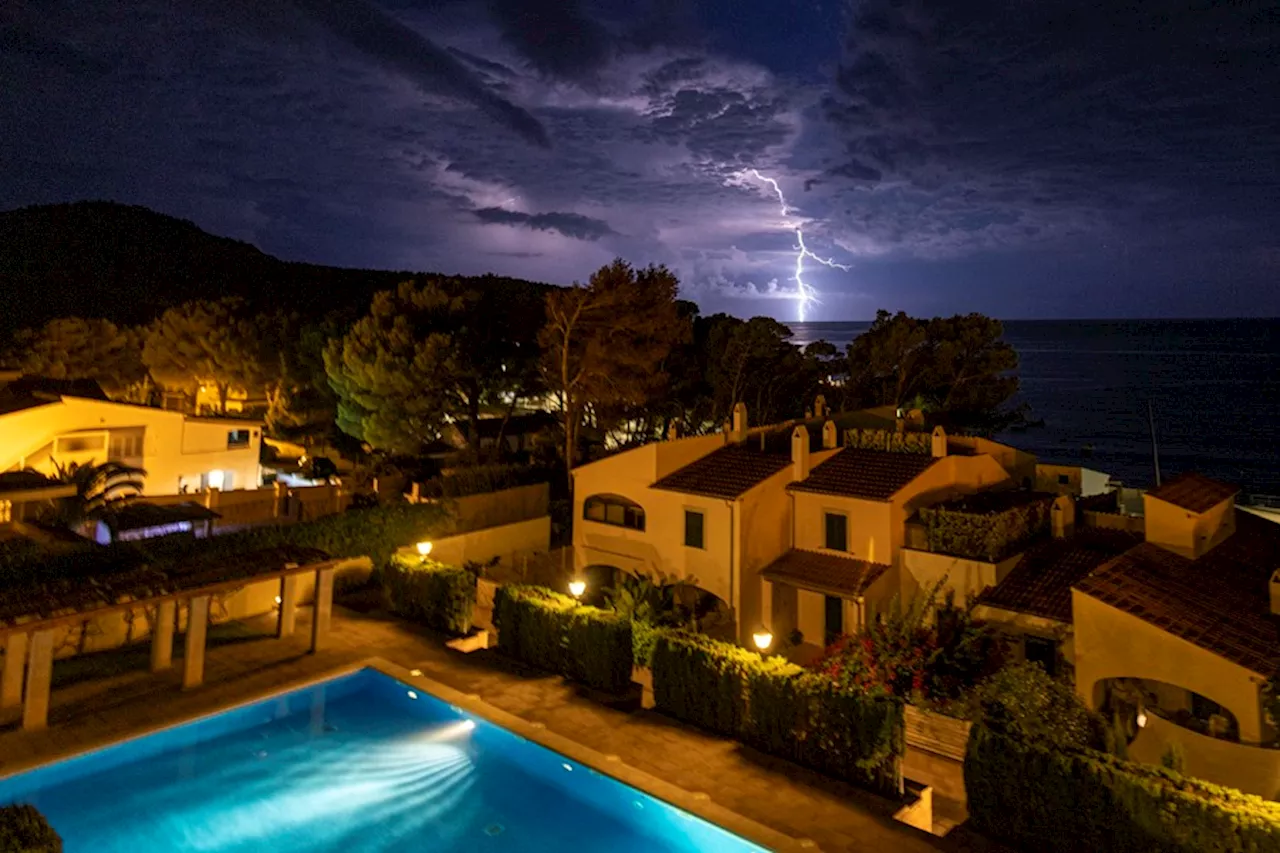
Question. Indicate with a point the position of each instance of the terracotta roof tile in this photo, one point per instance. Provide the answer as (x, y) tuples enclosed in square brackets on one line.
[(872, 474), (1220, 602), (824, 572), (1040, 583), (1194, 492), (725, 473)]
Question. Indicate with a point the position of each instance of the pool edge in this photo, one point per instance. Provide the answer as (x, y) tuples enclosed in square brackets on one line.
[(701, 806)]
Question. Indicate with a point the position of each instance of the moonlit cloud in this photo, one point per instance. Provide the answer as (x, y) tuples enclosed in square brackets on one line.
[(953, 156)]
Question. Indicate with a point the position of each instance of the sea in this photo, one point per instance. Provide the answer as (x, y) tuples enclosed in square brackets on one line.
[(1211, 388)]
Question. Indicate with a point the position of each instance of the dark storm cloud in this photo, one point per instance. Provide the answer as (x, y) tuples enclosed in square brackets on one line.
[(556, 37), (573, 225), (967, 125), (380, 36)]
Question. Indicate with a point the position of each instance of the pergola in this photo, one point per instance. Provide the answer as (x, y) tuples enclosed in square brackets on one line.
[(30, 615)]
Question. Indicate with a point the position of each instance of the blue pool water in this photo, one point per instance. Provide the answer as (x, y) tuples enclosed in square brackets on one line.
[(354, 764)]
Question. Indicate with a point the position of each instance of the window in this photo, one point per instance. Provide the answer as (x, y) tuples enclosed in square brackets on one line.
[(615, 510), (1064, 480), (837, 531), (693, 522), (125, 446), (80, 444), (237, 438), (1043, 651)]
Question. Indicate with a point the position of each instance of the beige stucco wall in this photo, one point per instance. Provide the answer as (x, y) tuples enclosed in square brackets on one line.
[(1187, 533), (175, 449), (870, 535), (1110, 643), (1252, 769), (965, 577), (508, 542)]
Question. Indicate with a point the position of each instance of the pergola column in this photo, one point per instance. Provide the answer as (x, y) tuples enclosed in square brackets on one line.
[(15, 667), (35, 707), (288, 619), (162, 636), (323, 609), (197, 631)]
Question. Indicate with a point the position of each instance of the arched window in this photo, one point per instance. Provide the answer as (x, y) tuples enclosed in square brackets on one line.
[(615, 510)]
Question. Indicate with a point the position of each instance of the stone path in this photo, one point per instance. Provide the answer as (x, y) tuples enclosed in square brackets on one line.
[(780, 795)]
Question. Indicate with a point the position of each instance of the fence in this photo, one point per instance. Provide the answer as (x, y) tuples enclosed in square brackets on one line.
[(278, 504), (936, 733), (494, 509)]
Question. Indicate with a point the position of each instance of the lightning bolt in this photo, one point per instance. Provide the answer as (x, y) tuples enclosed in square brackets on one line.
[(805, 295)]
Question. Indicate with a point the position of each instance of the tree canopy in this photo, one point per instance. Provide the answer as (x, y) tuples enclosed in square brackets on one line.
[(78, 348), (204, 343), (605, 344)]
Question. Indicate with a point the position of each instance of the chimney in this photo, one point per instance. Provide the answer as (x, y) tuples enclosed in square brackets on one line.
[(939, 445), (673, 429), (1063, 517), (1275, 593), (799, 453), (739, 421), (820, 407), (829, 440)]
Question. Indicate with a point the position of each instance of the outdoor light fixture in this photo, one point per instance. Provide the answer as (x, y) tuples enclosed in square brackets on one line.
[(413, 695), (424, 548), (278, 600), (468, 725), (577, 588), (1142, 719), (763, 639)]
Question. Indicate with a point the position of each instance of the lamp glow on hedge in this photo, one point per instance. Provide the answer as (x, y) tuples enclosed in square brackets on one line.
[(424, 549), (763, 638), (577, 587)]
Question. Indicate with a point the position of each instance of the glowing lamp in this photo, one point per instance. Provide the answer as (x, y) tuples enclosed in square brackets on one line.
[(424, 548), (1142, 719), (577, 588), (468, 725), (763, 639), (278, 600)]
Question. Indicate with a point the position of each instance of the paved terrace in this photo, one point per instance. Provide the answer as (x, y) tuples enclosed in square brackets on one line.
[(111, 695)]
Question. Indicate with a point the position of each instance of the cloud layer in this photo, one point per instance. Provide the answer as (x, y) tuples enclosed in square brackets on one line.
[(955, 158)]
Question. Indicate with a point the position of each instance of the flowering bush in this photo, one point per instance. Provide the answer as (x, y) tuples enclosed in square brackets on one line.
[(907, 654)]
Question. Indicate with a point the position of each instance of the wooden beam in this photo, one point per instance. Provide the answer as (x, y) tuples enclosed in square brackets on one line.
[(162, 636), (323, 609), (288, 619)]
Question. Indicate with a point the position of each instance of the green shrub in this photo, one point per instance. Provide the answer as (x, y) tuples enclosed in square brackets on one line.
[(979, 533), (846, 734), (780, 709), (891, 441), (1043, 799), (439, 596), (553, 632), (643, 638), (1025, 702), (702, 681), (24, 830)]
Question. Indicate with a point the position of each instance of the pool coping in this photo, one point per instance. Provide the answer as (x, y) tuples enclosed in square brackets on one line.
[(698, 804)]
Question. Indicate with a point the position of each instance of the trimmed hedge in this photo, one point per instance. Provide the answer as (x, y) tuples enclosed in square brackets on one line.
[(989, 536), (891, 441), (780, 709), (554, 632), (24, 830), (1042, 799), (439, 596)]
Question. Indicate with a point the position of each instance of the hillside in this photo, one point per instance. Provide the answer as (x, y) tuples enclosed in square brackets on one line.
[(128, 264)]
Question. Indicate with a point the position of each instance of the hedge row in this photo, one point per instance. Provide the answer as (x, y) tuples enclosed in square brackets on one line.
[(780, 709), (482, 479), (1043, 799), (892, 441), (24, 830), (375, 532), (439, 596), (989, 536), (554, 632)]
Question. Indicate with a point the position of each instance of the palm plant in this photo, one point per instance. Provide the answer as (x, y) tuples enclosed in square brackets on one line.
[(97, 487)]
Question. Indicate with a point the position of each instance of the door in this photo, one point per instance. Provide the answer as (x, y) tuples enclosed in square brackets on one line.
[(834, 618)]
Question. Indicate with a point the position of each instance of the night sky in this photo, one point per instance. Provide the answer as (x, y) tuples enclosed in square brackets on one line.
[(1024, 159)]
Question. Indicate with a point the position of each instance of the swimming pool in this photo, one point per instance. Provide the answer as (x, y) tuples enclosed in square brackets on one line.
[(363, 762)]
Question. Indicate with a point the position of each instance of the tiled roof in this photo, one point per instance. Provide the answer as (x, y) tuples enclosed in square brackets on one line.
[(724, 473), (872, 474), (1220, 602), (1194, 492), (824, 572), (1040, 583), (31, 391)]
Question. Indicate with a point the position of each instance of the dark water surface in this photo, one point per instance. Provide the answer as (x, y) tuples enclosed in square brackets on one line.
[(1214, 386)]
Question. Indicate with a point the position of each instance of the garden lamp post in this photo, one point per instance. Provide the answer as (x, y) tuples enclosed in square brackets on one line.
[(577, 587), (763, 638)]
